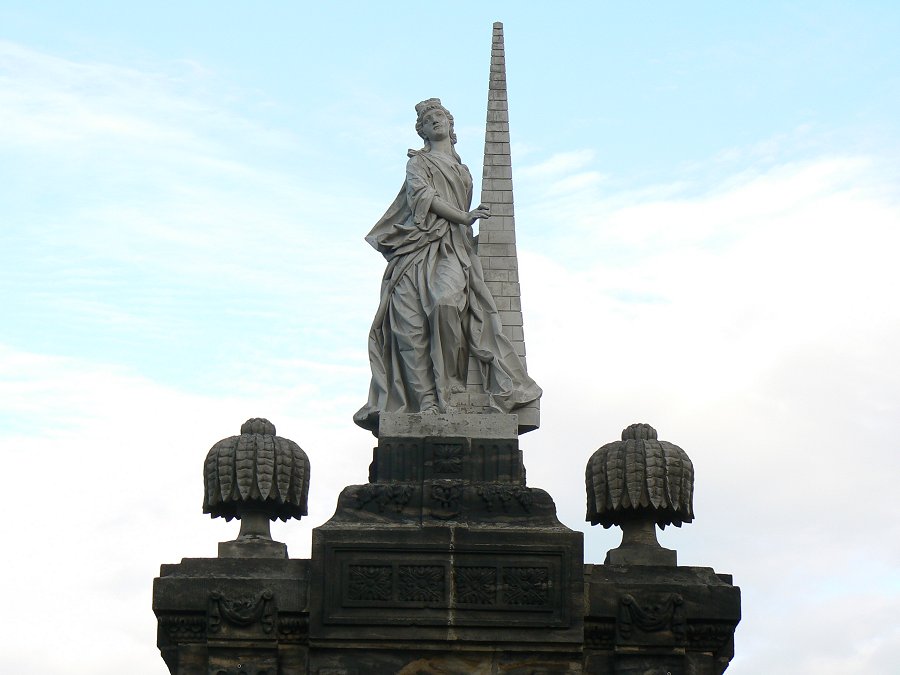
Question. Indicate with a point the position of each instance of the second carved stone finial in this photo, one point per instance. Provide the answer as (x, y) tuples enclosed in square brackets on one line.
[(255, 477), (638, 483)]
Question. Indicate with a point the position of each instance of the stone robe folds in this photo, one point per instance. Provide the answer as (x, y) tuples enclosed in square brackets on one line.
[(435, 308)]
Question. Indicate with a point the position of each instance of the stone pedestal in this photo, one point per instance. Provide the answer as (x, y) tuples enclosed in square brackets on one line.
[(654, 619), (445, 563), (446, 557), (233, 615)]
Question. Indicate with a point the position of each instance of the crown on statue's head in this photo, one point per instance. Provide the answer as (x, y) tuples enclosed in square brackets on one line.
[(426, 105)]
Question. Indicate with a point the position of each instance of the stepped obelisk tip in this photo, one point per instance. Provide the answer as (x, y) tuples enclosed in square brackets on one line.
[(497, 234)]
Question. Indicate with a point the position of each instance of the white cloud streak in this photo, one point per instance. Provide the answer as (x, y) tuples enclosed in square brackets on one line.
[(751, 319), (754, 325)]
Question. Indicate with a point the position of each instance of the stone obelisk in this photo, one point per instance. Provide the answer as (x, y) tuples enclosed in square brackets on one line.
[(497, 234)]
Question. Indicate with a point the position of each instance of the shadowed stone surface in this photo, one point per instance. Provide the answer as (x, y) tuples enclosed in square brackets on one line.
[(448, 549)]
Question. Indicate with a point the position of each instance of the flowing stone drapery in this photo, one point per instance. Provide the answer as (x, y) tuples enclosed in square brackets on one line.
[(435, 308)]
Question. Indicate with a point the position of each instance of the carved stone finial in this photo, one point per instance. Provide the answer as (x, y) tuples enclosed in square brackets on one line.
[(258, 425), (256, 477), (642, 432), (638, 483)]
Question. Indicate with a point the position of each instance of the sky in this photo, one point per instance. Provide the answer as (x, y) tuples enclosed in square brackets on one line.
[(707, 212)]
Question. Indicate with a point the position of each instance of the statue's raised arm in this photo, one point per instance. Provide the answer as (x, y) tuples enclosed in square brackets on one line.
[(435, 308)]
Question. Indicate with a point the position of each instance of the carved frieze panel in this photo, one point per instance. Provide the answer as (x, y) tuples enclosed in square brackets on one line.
[(367, 583), (475, 585), (395, 584), (599, 634), (500, 498), (182, 628), (421, 583), (526, 586), (433, 586), (392, 496), (502, 586), (293, 628), (709, 636)]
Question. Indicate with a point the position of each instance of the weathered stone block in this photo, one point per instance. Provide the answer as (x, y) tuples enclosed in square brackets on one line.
[(497, 184), (503, 237), (504, 263), (414, 426), (497, 172), (502, 209), (494, 250), (514, 333), (511, 318), (495, 287), (497, 222)]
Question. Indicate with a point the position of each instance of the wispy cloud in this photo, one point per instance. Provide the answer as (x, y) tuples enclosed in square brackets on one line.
[(141, 197), (766, 350), (558, 164)]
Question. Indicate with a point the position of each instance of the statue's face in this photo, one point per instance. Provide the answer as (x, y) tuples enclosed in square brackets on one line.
[(435, 125)]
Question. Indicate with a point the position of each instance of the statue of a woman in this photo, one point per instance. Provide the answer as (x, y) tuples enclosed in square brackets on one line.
[(435, 308)]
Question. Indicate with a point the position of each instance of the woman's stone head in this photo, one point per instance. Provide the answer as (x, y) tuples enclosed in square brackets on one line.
[(422, 113)]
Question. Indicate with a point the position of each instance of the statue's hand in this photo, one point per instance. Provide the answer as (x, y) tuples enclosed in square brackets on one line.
[(480, 211)]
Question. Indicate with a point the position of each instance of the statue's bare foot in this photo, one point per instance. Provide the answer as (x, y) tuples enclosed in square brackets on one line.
[(430, 410), (458, 389)]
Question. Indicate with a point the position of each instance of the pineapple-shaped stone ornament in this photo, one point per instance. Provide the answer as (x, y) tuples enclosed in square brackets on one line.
[(638, 483), (255, 477)]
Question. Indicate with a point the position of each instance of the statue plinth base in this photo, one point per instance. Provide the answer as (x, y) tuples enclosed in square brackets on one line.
[(447, 425), (446, 549)]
